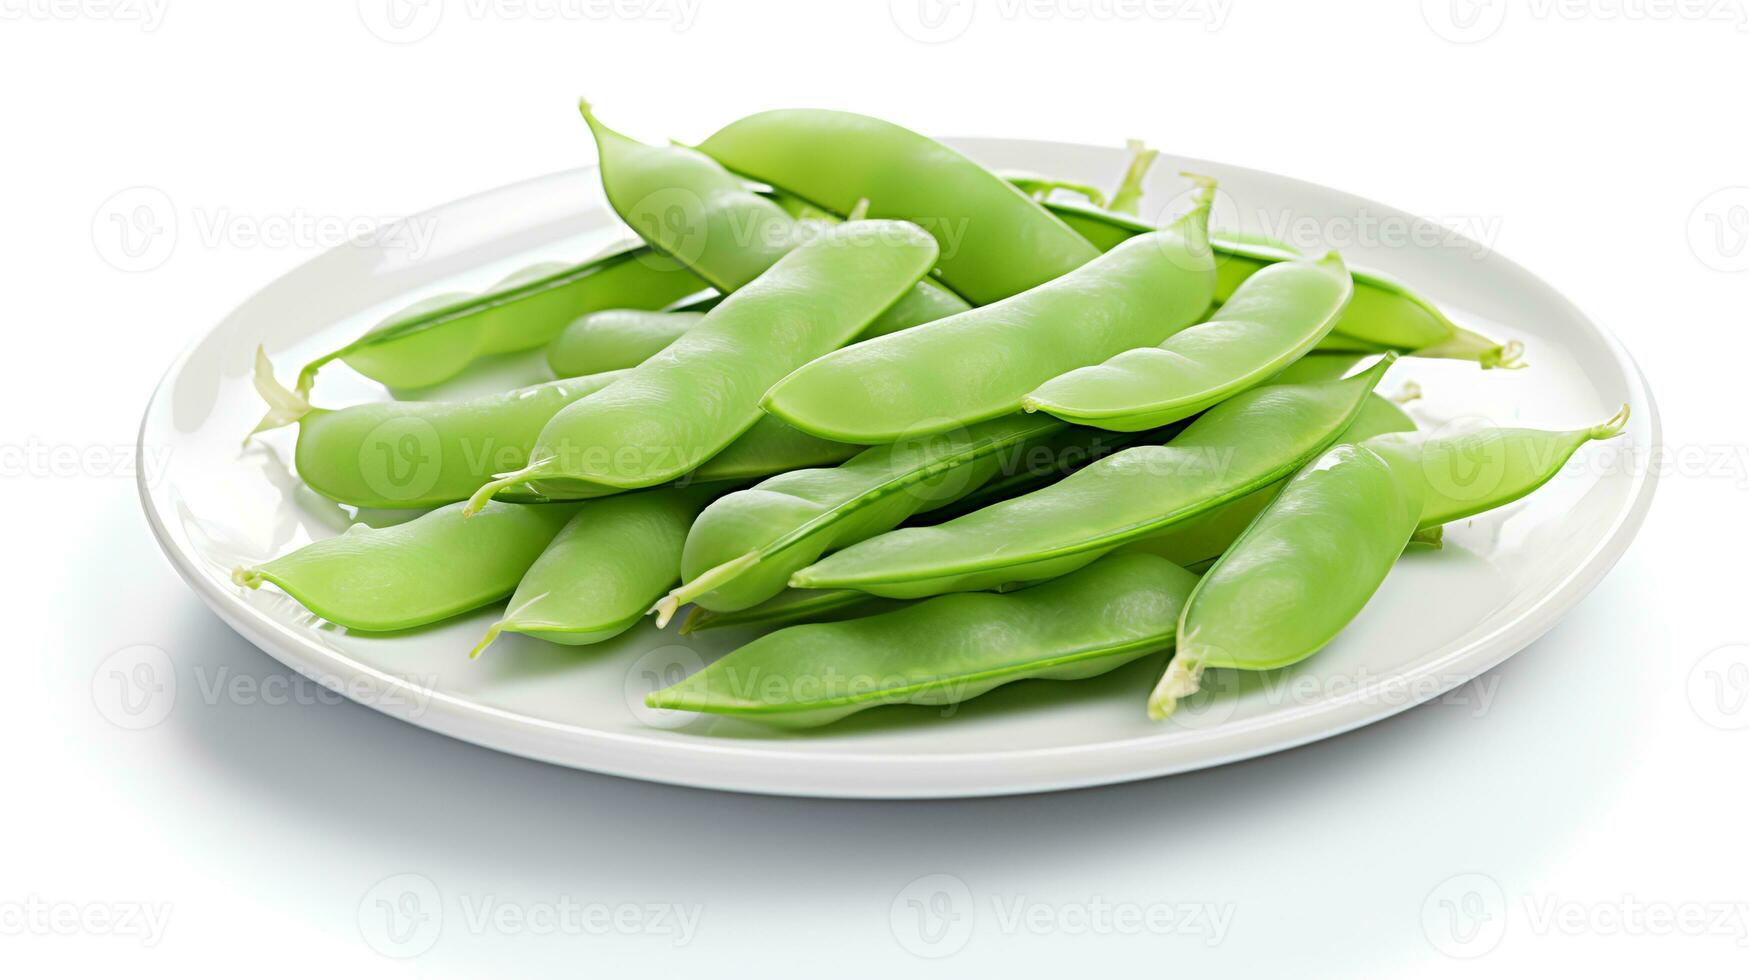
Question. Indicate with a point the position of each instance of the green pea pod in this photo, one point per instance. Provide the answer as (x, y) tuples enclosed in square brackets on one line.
[(1478, 471), (415, 454), (1301, 571), (432, 340), (946, 650), (1201, 539), (1273, 319), (1382, 315), (1310, 562), (980, 364), (790, 606), (746, 545), (995, 241), (771, 447), (1039, 464), (609, 340), (1039, 186), (599, 575), (1233, 449), (697, 213), (428, 569), (683, 406)]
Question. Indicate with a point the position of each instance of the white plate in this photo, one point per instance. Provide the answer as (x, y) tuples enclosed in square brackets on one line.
[(1441, 619)]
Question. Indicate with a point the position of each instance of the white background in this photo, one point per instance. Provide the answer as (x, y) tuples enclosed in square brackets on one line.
[(1592, 814)]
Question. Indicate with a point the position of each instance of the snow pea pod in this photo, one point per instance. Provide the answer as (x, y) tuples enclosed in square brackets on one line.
[(946, 650), (1302, 570), (434, 339), (771, 447), (684, 405), (788, 607), (416, 454), (1310, 562), (428, 569), (1233, 449), (1382, 315), (1198, 540), (1270, 321), (979, 364), (698, 214), (995, 241), (746, 545), (609, 340), (1472, 472), (599, 575)]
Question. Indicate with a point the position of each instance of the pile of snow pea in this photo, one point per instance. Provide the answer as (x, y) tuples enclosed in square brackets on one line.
[(919, 427)]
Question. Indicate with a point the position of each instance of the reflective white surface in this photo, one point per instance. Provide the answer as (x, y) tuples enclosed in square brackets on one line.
[(1442, 618)]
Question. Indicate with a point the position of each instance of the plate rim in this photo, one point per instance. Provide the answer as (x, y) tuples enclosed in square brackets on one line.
[(775, 770)]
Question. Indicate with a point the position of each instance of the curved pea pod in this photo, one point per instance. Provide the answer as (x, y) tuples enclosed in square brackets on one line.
[(1233, 449), (609, 340), (1197, 540), (1302, 570), (946, 650), (432, 340), (1273, 319), (995, 241), (683, 406), (1382, 315), (601, 572), (1311, 561), (979, 365), (745, 546), (1472, 472), (431, 568), (709, 220), (788, 607), (1044, 462), (415, 454), (771, 447)]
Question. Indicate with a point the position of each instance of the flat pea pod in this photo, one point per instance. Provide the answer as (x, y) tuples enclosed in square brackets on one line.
[(946, 650), (1301, 571), (1201, 539), (771, 447), (432, 340), (1310, 562), (684, 405), (1383, 314), (433, 567), (1274, 318), (609, 340), (1044, 462), (602, 571), (409, 454), (788, 607), (995, 241), (1472, 472), (746, 545), (1233, 449), (979, 364), (707, 219)]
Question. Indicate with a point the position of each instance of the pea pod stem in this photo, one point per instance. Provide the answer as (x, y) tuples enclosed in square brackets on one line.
[(502, 481), (1127, 198), (284, 405), (726, 572)]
